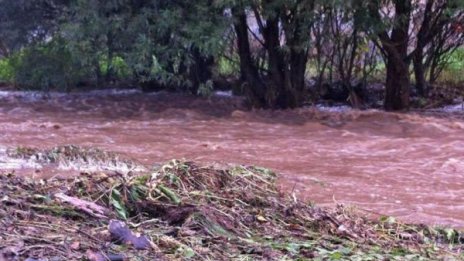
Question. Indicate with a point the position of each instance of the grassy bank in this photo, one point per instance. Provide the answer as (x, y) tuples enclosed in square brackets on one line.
[(182, 211)]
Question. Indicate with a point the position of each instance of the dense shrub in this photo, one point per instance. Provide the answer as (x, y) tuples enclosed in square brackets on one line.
[(47, 66), (6, 71), (453, 70)]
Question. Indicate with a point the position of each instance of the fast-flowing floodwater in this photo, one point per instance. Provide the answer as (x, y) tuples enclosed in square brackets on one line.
[(410, 166)]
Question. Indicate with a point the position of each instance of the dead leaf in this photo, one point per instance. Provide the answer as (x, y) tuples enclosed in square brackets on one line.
[(261, 219)]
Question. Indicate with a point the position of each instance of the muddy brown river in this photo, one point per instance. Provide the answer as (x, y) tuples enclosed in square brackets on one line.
[(410, 166)]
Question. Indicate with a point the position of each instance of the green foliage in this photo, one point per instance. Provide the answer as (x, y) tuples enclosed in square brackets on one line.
[(93, 34), (456, 60), (454, 68), (174, 42), (26, 22), (118, 65), (226, 67), (205, 89), (117, 202), (6, 70), (47, 44), (46, 66)]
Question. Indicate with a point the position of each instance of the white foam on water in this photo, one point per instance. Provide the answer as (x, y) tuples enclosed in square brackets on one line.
[(32, 96), (223, 94), (90, 165), (112, 92), (452, 108), (95, 166), (9, 163), (336, 108)]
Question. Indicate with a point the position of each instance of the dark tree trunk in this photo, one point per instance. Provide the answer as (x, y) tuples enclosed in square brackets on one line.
[(200, 71), (254, 87), (4, 51), (282, 85), (275, 94), (109, 66), (433, 71), (298, 67), (98, 73), (298, 61), (396, 47), (419, 72), (397, 85), (287, 70), (423, 37)]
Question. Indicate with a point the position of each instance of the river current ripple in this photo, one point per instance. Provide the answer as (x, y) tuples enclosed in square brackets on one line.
[(410, 166)]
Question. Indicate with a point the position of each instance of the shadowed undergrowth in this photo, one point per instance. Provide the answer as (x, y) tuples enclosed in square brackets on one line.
[(183, 211)]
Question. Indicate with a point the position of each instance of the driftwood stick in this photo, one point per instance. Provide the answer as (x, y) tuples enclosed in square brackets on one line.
[(83, 205)]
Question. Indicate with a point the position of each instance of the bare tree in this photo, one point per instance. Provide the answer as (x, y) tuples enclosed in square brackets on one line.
[(435, 36)]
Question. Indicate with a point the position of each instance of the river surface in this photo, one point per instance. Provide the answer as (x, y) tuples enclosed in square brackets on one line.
[(410, 166)]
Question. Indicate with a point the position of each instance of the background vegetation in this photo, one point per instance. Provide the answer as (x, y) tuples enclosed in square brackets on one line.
[(278, 53)]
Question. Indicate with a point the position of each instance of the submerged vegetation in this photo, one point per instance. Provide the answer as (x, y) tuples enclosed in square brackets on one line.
[(182, 211), (72, 156)]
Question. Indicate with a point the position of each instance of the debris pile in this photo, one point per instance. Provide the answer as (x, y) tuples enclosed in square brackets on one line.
[(184, 211)]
